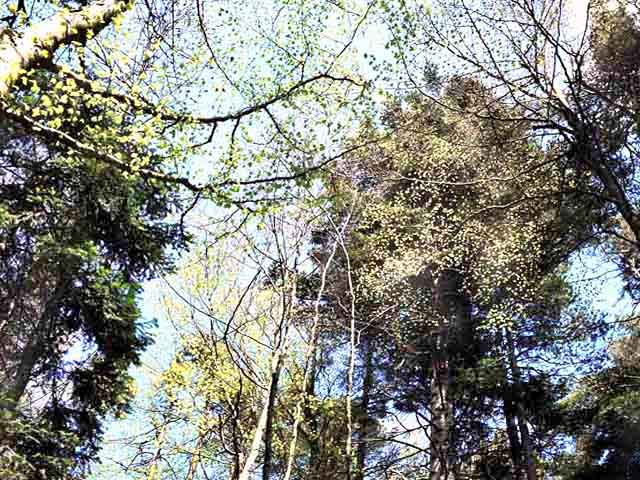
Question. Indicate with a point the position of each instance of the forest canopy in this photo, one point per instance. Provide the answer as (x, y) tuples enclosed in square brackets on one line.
[(300, 239)]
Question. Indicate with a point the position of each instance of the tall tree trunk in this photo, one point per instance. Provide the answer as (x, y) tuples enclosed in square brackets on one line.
[(29, 357), (515, 448), (454, 320), (441, 413), (527, 445), (19, 54), (528, 463), (584, 447), (36, 345), (589, 151), (236, 435), (268, 434), (264, 423), (311, 419), (367, 383)]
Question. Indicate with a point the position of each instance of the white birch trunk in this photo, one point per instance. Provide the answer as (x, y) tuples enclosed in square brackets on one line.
[(19, 54)]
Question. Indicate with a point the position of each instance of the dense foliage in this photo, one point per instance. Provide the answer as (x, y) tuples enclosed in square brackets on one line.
[(77, 238)]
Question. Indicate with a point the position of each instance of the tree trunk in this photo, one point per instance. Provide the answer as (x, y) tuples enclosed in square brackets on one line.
[(588, 151), (367, 383), (515, 446), (528, 463), (311, 419), (453, 318), (265, 420), (29, 357), (441, 412), (584, 448), (40, 41), (268, 434), (35, 347), (527, 446)]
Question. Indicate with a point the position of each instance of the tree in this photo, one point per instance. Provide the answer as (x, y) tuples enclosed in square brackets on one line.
[(458, 235), (21, 52), (77, 239), (61, 60), (602, 413), (249, 370), (415, 319), (97, 154), (571, 82)]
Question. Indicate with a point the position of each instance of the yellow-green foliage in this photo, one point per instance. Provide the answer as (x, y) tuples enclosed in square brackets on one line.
[(211, 395), (455, 192)]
